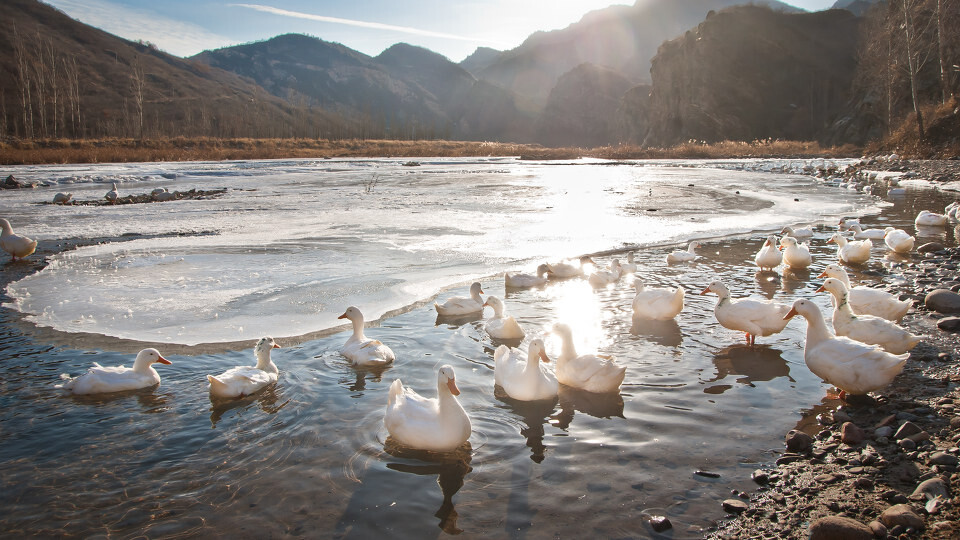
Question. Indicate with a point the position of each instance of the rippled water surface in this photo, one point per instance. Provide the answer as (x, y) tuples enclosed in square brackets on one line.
[(296, 242)]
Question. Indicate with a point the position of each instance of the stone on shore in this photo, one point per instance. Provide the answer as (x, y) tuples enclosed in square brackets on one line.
[(943, 301), (839, 528), (931, 488), (852, 434), (949, 324), (798, 441), (734, 506), (903, 515)]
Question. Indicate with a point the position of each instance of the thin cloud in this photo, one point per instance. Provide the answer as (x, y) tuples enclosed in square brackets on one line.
[(362, 24)]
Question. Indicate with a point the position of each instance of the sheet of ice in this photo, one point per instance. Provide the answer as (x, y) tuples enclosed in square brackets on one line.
[(297, 241)]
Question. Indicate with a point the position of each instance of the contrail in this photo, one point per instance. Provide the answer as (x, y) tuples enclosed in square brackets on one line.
[(351, 22)]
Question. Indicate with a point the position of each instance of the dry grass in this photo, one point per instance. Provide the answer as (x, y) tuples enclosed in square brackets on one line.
[(942, 139), (23, 152)]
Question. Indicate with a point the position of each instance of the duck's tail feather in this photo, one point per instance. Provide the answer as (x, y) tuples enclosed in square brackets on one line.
[(216, 385)]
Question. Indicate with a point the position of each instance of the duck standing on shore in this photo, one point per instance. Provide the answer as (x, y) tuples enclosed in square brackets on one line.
[(15, 244), (112, 195), (853, 367)]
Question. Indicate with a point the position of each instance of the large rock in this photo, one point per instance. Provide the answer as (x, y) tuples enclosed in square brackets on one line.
[(943, 301), (852, 434), (931, 488), (839, 528), (949, 324), (901, 514), (798, 441)]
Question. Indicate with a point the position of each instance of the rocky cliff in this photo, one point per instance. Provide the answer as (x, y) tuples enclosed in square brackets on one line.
[(749, 73)]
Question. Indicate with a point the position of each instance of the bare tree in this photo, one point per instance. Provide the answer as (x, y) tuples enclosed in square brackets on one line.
[(137, 86), (24, 82)]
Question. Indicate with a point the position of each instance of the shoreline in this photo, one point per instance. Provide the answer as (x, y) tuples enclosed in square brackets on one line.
[(875, 471)]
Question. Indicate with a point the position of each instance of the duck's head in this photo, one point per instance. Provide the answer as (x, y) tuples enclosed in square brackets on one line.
[(693, 245), (834, 271), (537, 350), (475, 288), (5, 225), (787, 241), (888, 230), (716, 287), (265, 345), (586, 259), (802, 307), (835, 238), (638, 284), (446, 377), (542, 270), (771, 240), (786, 230), (834, 286), (495, 303), (563, 330), (352, 313), (148, 357)]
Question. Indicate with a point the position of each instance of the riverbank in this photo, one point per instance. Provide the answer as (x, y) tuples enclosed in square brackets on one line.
[(114, 150), (886, 466)]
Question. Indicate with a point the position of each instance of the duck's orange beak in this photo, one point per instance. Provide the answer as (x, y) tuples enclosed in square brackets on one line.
[(823, 274), (163, 360), (790, 314), (452, 385), (705, 291), (344, 316), (275, 346), (821, 289), (544, 357)]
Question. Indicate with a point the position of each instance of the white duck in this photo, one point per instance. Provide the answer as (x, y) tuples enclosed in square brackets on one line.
[(851, 251), (459, 305), (898, 240), (245, 380), (501, 326), (525, 281), (524, 379), (860, 233), (603, 277), (752, 317), (769, 257), (15, 244), (851, 366), (62, 198), (659, 304), (867, 329), (799, 233), (684, 256), (795, 254), (100, 379), (361, 350), (112, 195), (629, 267), (951, 211), (438, 424), (846, 222), (867, 300), (588, 372), (569, 269), (930, 219)]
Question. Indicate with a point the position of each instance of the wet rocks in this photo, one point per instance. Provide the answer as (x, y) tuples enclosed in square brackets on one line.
[(903, 515), (949, 324), (943, 301), (839, 528), (798, 441)]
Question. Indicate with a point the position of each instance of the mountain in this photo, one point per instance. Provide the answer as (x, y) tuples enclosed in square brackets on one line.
[(622, 38), (582, 108), (857, 7), (750, 73), (60, 77)]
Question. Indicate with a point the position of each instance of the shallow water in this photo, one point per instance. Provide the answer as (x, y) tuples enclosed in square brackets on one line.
[(308, 456)]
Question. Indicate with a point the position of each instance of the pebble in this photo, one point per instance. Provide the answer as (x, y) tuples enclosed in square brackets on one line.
[(852, 434), (839, 528), (943, 301), (902, 515), (798, 441), (907, 444), (907, 429), (884, 431), (879, 530), (863, 483), (827, 478), (949, 324), (734, 506), (942, 458), (660, 523), (931, 488), (760, 476)]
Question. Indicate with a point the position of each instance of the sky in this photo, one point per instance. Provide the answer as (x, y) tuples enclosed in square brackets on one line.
[(453, 28)]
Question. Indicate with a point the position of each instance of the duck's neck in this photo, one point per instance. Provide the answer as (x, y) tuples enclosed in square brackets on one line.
[(722, 296), (475, 295), (842, 305), (497, 311), (358, 329), (568, 350), (143, 366), (264, 363), (817, 330), (841, 241)]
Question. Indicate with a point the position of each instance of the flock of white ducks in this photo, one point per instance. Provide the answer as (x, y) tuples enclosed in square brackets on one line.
[(865, 351)]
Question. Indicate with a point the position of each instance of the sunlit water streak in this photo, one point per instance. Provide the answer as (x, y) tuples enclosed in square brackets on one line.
[(308, 456)]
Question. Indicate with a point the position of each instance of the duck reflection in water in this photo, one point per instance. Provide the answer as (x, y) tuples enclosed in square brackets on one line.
[(359, 382), (535, 414), (265, 399), (150, 399), (450, 467), (456, 321), (768, 281), (795, 279), (606, 405), (755, 364), (666, 333)]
